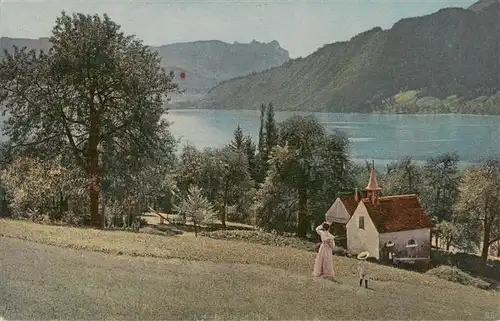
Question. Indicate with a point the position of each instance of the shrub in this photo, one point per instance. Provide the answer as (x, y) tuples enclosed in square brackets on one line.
[(454, 274), (260, 238)]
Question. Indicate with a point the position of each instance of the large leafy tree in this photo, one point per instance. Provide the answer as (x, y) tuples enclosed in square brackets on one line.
[(96, 87), (402, 177), (439, 189), (275, 202), (318, 170), (39, 188), (235, 185), (222, 174), (477, 206)]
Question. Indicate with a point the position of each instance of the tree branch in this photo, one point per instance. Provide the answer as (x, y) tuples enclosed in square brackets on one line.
[(35, 143)]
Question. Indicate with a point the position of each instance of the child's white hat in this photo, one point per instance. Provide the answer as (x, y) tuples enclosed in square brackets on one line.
[(363, 255)]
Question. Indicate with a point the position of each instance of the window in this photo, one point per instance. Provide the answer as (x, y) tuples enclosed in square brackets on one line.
[(361, 223), (411, 243)]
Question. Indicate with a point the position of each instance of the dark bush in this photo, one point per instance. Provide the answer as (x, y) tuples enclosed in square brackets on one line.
[(260, 238)]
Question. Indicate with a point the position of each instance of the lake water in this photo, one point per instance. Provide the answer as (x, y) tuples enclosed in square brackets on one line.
[(382, 138)]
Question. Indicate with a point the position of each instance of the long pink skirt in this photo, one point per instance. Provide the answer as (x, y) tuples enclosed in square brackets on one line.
[(323, 265)]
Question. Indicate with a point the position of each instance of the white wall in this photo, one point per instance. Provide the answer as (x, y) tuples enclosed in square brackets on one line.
[(400, 239), (359, 240), (337, 213)]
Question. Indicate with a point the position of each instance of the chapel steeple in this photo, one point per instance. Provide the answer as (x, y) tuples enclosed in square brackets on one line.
[(373, 188)]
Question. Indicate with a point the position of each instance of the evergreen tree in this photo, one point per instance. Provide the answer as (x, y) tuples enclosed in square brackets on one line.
[(271, 129), (261, 148), (237, 144), (261, 145), (249, 149)]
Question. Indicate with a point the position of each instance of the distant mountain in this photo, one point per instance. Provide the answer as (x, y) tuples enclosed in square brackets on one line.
[(205, 63), (484, 5), (444, 62)]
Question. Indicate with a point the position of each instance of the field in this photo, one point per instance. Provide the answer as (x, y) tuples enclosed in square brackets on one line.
[(395, 293)]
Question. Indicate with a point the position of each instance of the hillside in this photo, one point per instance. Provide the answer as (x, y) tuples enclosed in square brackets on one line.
[(444, 62), (205, 62), (230, 278)]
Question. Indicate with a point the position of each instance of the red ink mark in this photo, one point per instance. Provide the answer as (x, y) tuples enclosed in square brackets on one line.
[(183, 75)]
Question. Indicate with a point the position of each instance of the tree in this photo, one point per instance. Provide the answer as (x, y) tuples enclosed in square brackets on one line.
[(234, 186), (275, 203), (196, 207), (238, 141), (271, 130), (478, 203), (38, 188), (270, 138), (403, 177), (250, 149), (190, 169), (261, 145), (95, 85), (448, 232), (439, 189), (317, 170)]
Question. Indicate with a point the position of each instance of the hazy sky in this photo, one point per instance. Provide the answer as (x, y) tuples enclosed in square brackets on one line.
[(301, 27)]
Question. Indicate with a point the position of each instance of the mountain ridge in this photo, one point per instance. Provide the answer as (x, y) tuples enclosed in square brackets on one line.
[(452, 52), (205, 62)]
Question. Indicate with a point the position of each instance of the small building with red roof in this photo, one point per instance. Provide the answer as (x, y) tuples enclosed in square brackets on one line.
[(338, 215), (388, 225)]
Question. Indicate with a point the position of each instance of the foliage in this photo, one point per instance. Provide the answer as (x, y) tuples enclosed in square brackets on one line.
[(308, 168), (260, 238), (477, 206), (276, 203), (448, 232), (223, 174), (238, 139), (253, 163), (197, 208), (456, 275), (439, 188), (38, 188), (236, 183), (403, 177), (271, 129), (96, 92)]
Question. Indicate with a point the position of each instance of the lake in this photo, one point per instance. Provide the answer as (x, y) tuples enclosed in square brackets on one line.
[(382, 138)]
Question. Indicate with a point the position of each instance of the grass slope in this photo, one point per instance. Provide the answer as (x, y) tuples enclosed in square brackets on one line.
[(408, 295)]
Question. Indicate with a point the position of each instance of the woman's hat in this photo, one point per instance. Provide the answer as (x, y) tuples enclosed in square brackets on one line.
[(363, 255), (389, 244)]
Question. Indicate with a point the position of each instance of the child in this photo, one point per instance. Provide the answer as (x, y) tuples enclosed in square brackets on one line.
[(362, 271)]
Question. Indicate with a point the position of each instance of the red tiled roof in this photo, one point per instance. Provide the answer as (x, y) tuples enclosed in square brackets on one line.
[(397, 213), (349, 203)]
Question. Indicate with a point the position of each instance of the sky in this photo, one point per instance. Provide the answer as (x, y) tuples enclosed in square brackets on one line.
[(300, 26)]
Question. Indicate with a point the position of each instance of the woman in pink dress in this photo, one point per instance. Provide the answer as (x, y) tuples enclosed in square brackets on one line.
[(323, 265)]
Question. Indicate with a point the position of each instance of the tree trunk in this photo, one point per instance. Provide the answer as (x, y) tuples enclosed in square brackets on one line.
[(93, 174), (302, 224), (195, 229), (224, 211), (485, 248), (498, 249)]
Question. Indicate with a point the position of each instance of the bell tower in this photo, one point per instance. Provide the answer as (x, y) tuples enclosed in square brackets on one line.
[(372, 188)]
